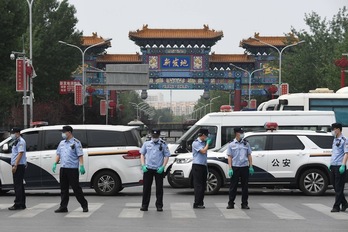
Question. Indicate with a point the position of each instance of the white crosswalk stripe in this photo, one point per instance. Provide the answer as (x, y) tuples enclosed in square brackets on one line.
[(5, 206), (281, 212), (182, 210), (77, 213), (33, 211), (235, 213), (326, 210), (132, 210)]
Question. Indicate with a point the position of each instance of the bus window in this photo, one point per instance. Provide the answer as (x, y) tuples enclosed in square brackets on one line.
[(301, 108)]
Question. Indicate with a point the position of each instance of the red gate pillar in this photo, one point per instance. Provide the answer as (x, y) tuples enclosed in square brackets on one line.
[(343, 64)]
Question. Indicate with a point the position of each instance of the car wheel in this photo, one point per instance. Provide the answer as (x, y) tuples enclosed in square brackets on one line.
[(107, 183), (313, 182), (213, 182), (173, 184)]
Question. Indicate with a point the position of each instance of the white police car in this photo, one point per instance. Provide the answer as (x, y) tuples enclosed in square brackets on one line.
[(281, 158), (111, 158)]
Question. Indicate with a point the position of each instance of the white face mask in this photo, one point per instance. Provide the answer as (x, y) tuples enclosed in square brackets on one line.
[(333, 133), (13, 136), (241, 136), (64, 136), (155, 140)]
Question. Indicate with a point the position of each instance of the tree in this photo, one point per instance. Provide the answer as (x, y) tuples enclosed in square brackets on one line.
[(49, 57), (311, 64), (12, 24)]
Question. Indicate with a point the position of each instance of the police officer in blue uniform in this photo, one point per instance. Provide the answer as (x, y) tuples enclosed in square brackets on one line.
[(199, 167), (70, 154), (154, 158), (18, 163), (337, 166), (240, 166)]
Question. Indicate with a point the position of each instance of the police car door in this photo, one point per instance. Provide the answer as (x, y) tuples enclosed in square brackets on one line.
[(258, 146), (285, 155)]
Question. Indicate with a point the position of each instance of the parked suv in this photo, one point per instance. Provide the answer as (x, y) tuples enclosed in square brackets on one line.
[(111, 157), (282, 158)]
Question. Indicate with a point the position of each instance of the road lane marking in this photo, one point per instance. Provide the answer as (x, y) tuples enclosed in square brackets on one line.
[(235, 213), (33, 211), (281, 212), (326, 210), (77, 213), (5, 206), (182, 210), (132, 211)]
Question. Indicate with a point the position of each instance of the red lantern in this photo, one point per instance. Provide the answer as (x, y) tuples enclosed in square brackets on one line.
[(90, 90), (244, 104), (272, 90)]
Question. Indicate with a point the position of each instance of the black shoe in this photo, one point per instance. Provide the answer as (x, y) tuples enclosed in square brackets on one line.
[(344, 207), (245, 207), (230, 207), (61, 210), (16, 207), (199, 207), (143, 209), (85, 209), (335, 210), (159, 209)]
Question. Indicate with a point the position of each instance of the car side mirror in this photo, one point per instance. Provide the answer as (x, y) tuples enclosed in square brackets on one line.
[(5, 147)]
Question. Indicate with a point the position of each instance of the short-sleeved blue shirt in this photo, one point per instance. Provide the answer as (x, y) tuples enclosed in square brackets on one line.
[(154, 153), (339, 148), (239, 151), (198, 157), (69, 152), (18, 147)]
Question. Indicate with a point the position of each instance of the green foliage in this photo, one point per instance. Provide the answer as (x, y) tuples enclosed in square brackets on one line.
[(311, 64)]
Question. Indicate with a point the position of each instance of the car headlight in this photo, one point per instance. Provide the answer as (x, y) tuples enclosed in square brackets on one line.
[(183, 161)]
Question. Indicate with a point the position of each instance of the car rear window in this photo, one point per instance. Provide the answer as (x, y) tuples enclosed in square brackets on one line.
[(103, 138), (324, 142), (286, 142)]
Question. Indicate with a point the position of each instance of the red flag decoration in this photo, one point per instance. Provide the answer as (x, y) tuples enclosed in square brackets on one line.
[(20, 76)]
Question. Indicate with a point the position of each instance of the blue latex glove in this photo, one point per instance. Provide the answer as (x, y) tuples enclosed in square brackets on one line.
[(54, 167), (251, 170), (160, 170), (342, 169), (230, 172), (82, 169), (209, 141), (144, 168)]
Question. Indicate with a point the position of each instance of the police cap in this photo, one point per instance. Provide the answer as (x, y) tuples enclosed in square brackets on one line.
[(15, 130), (155, 132), (238, 130), (203, 131), (336, 125), (67, 129)]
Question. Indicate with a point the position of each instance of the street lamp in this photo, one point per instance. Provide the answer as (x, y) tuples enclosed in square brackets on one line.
[(25, 113), (250, 75), (138, 106), (83, 52), (211, 102), (280, 55)]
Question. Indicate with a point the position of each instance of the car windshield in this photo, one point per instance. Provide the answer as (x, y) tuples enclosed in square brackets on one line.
[(223, 148)]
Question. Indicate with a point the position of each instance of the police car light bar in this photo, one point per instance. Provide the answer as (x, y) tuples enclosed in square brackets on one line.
[(271, 126)]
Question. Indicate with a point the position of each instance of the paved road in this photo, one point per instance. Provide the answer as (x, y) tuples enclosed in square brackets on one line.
[(276, 210)]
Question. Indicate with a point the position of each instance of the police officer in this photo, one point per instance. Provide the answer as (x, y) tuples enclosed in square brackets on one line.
[(240, 166), (337, 166), (18, 163), (199, 167), (70, 154), (154, 157)]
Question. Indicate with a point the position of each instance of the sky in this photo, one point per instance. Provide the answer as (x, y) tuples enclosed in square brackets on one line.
[(237, 19)]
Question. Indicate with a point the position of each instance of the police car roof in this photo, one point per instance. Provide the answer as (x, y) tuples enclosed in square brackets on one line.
[(83, 127), (289, 132)]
